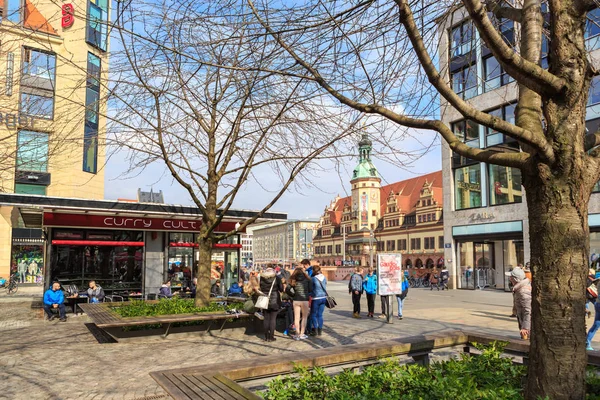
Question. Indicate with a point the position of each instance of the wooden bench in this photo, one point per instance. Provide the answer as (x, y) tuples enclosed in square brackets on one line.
[(103, 316)]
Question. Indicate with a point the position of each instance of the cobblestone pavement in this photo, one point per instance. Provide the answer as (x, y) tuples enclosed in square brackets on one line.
[(73, 360)]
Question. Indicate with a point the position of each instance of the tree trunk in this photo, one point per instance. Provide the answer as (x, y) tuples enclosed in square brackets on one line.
[(205, 246), (559, 238)]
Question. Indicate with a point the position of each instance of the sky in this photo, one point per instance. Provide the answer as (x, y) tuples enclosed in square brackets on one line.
[(298, 203)]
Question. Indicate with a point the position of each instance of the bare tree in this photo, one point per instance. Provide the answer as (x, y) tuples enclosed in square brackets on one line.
[(369, 55), (200, 97)]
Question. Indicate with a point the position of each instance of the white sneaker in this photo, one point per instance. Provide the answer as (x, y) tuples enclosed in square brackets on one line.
[(302, 337)]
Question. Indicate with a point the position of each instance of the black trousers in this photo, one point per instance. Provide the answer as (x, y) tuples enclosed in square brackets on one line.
[(371, 303), (356, 302), (384, 304), (269, 321), (61, 310)]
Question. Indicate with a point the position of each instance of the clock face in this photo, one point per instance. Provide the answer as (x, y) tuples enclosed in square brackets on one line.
[(373, 195)]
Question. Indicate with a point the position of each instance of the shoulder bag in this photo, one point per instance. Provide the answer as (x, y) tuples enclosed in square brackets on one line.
[(329, 301), (263, 301)]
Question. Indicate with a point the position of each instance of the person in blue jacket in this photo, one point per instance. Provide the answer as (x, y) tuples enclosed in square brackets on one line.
[(402, 296), (319, 300), (236, 289), (54, 298), (370, 288)]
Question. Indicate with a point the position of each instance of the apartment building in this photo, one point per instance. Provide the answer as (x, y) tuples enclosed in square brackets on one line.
[(283, 242)]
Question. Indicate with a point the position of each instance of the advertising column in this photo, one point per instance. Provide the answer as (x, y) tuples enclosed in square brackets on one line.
[(389, 267)]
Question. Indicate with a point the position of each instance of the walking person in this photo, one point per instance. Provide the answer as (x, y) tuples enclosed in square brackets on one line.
[(434, 279), (270, 285), (302, 285), (370, 289), (522, 300), (355, 287), (402, 296), (319, 284)]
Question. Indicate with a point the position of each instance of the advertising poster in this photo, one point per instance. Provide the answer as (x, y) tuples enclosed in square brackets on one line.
[(28, 262), (389, 267), (364, 210)]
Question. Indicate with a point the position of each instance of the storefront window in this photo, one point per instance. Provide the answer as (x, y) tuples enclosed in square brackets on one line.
[(28, 261), (505, 185), (118, 269), (182, 262), (467, 187)]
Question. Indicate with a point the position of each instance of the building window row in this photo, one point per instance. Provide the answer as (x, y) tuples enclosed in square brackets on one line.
[(415, 244), (392, 222), (427, 217)]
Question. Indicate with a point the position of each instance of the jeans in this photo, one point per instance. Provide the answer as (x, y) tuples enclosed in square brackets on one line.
[(400, 305), (318, 307), (595, 325), (356, 302), (269, 321), (385, 305), (371, 302), (61, 310)]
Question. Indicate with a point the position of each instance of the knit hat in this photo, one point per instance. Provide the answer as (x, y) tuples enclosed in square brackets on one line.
[(516, 273)]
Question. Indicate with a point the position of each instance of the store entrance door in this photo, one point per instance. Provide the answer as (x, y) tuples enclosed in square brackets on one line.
[(485, 269)]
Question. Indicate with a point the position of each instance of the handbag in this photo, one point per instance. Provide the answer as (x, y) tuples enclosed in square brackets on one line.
[(329, 301), (263, 301)]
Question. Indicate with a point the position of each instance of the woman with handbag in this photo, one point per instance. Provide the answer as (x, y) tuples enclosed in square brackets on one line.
[(319, 283), (270, 285), (303, 287)]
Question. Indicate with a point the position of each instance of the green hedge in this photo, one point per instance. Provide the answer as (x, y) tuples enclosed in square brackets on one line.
[(485, 377), (139, 308)]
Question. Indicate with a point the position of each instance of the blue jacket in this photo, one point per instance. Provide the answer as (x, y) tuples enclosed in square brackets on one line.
[(370, 284), (235, 289), (356, 283), (52, 297), (309, 271), (319, 287), (405, 286)]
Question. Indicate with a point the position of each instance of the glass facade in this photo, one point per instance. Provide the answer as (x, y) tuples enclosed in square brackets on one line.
[(504, 185), (467, 187), (32, 151), (90, 132), (118, 269), (97, 24)]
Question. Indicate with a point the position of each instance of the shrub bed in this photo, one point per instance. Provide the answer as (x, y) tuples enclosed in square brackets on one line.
[(486, 376), (139, 308)]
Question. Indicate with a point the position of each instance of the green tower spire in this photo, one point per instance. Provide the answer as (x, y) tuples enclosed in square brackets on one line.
[(365, 168)]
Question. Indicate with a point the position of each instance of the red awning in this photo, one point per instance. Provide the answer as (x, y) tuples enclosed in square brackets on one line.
[(215, 246), (97, 243)]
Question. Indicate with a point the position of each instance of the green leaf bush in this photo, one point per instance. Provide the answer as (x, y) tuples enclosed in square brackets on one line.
[(140, 308), (487, 376)]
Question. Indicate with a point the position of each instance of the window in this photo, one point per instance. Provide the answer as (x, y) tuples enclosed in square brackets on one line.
[(592, 30), (467, 131), (24, 188), (401, 244), (420, 219), (329, 249), (504, 185), (494, 75), (440, 242), (11, 10), (37, 83), (429, 243), (594, 95), (338, 249), (493, 137), (90, 132), (461, 39), (97, 24), (391, 245), (464, 82), (415, 244), (467, 187), (428, 217), (374, 213), (32, 151)]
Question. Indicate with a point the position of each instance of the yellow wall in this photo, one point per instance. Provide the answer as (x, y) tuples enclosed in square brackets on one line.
[(66, 130)]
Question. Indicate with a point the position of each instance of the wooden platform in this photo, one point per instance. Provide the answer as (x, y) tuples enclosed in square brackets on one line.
[(218, 381)]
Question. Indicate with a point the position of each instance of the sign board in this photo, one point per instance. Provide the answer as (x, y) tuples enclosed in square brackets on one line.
[(389, 267), (447, 245)]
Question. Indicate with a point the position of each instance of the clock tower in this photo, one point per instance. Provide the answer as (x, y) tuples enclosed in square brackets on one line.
[(366, 187)]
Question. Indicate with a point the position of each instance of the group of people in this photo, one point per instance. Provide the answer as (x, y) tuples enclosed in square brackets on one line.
[(299, 295), (368, 284)]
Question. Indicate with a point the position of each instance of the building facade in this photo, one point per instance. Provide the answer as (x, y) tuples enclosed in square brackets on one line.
[(247, 257), (283, 242), (486, 227), (54, 68), (404, 217)]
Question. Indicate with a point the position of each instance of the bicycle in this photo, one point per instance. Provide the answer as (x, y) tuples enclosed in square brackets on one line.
[(12, 286)]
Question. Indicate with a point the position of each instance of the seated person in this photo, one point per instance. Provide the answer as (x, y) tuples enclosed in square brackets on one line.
[(215, 289), (54, 298), (237, 289), (95, 293), (165, 290), (194, 286)]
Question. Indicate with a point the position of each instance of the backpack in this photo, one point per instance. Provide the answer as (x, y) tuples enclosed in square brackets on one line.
[(592, 291)]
